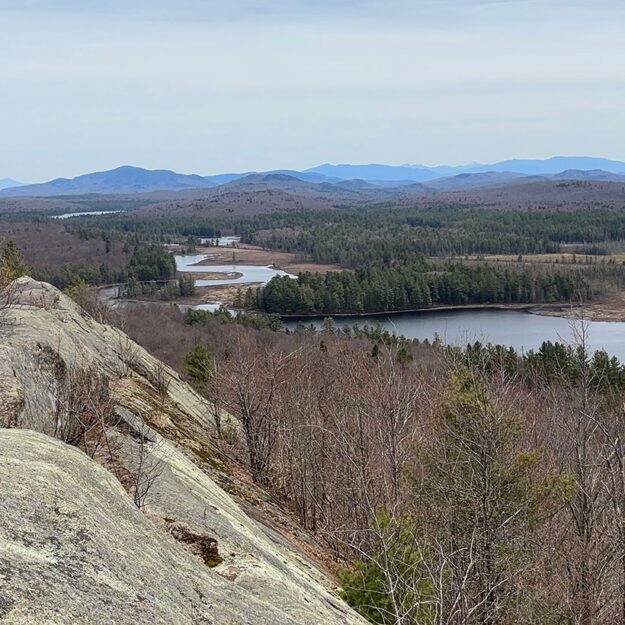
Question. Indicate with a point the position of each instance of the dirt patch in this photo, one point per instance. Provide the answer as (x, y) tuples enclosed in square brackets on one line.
[(201, 545), (226, 293)]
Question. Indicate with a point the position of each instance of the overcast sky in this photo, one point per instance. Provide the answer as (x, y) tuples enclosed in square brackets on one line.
[(202, 86)]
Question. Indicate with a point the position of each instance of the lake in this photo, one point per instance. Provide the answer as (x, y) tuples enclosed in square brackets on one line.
[(519, 329), (221, 241), (84, 213)]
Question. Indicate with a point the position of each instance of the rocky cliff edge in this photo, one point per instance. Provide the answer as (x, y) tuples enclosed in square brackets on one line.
[(76, 547)]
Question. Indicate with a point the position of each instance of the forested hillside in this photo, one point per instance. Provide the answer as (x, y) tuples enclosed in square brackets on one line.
[(471, 486), (386, 246), (354, 236), (385, 234)]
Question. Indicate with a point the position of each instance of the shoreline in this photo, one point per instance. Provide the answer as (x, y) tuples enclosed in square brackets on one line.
[(530, 308), (598, 311), (605, 310), (542, 310)]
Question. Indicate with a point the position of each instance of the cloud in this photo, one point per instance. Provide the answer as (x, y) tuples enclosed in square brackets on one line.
[(211, 86), (295, 9)]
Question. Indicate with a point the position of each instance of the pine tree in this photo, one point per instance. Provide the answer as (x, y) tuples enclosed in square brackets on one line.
[(200, 365), (12, 264)]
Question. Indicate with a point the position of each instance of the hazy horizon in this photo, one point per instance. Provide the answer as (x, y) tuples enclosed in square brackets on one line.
[(327, 162), (200, 87)]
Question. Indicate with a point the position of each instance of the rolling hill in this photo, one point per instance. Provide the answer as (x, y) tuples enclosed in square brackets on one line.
[(421, 173), (6, 183), (383, 180), (121, 180)]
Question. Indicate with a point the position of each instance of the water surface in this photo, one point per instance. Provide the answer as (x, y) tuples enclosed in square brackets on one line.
[(220, 241), (519, 329), (249, 273), (84, 213)]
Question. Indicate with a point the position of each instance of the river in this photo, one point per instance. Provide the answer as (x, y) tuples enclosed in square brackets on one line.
[(519, 329), (249, 273)]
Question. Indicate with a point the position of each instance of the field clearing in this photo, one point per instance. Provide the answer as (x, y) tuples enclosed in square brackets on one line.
[(214, 275), (260, 257), (557, 258), (608, 308), (225, 294)]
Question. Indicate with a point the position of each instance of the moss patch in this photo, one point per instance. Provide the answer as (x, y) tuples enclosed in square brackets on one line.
[(201, 545)]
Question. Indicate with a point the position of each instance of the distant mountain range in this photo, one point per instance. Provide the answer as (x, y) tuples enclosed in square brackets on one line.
[(129, 180), (7, 183), (121, 180), (420, 173)]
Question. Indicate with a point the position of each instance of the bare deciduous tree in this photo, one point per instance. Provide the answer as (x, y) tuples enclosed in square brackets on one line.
[(84, 408), (147, 465)]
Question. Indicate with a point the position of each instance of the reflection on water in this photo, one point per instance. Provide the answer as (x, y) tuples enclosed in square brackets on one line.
[(518, 329)]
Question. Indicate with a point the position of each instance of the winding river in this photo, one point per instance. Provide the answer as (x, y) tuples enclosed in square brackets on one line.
[(250, 274), (515, 328)]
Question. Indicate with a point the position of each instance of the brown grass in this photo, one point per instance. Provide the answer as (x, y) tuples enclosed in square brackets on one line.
[(253, 255), (225, 293), (565, 258), (215, 275), (609, 308)]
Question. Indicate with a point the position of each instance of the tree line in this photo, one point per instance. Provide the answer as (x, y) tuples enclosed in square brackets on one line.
[(421, 285), (385, 234), (381, 233)]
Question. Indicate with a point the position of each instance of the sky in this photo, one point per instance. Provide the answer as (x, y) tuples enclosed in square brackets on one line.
[(206, 87)]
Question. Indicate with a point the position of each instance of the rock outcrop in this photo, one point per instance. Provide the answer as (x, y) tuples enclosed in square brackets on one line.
[(74, 547)]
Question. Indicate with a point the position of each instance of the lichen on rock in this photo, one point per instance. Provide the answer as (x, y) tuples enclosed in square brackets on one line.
[(75, 547)]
